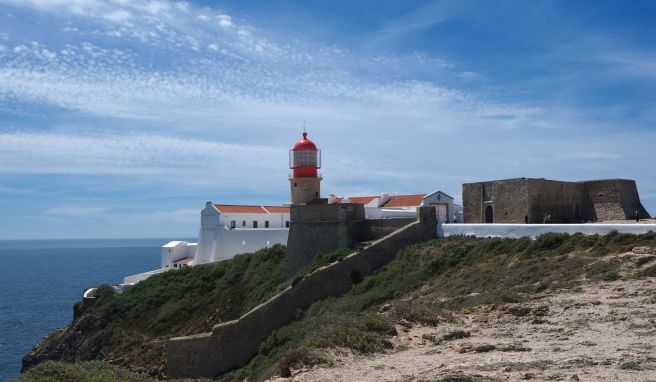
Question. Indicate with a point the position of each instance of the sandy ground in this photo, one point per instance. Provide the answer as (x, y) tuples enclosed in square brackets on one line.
[(580, 336)]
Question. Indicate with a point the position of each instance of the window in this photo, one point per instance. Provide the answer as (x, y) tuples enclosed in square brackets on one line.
[(316, 194), (254, 223), (233, 224), (266, 224), (287, 224), (243, 223), (295, 185)]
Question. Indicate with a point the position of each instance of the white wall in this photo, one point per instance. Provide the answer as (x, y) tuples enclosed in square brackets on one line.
[(233, 241), (176, 250), (142, 276), (535, 230)]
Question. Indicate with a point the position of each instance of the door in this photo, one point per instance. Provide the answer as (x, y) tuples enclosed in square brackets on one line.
[(489, 215)]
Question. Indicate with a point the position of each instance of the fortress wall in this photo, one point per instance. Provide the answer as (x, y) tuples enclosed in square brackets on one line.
[(322, 228), (615, 199), (555, 198), (535, 230), (508, 198), (374, 229), (233, 344), (472, 196)]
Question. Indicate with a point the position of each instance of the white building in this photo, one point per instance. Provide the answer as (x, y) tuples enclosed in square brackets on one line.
[(397, 206), (226, 230)]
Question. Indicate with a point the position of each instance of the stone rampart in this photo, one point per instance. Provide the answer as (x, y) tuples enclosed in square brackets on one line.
[(527, 200), (232, 344), (374, 229), (321, 228), (614, 200)]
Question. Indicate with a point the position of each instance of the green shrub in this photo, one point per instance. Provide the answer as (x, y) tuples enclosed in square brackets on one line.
[(629, 366), (95, 371), (323, 260), (297, 358)]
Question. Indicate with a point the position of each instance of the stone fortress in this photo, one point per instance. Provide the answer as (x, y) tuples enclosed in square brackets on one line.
[(530, 200)]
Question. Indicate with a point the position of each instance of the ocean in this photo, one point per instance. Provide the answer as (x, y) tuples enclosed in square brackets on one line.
[(42, 279)]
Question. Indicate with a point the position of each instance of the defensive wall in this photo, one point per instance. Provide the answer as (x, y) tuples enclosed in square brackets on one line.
[(321, 228), (526, 199), (535, 230), (232, 344)]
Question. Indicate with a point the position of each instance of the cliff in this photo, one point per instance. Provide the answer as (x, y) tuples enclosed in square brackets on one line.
[(131, 329)]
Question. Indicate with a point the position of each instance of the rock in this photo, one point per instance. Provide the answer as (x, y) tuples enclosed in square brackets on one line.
[(575, 378), (527, 376), (518, 310), (507, 369), (643, 250), (455, 335), (484, 348), (644, 260), (512, 347)]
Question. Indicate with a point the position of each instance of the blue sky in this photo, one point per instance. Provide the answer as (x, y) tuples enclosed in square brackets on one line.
[(121, 118)]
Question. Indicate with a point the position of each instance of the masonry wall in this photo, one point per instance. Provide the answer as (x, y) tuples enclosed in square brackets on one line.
[(514, 200), (321, 228), (374, 229), (508, 199), (233, 344), (616, 199), (558, 199)]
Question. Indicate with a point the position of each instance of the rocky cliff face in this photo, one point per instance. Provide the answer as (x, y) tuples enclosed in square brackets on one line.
[(76, 342), (131, 329)]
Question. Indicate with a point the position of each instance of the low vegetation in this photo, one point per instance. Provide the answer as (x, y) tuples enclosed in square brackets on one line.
[(95, 371), (426, 284), (132, 328)]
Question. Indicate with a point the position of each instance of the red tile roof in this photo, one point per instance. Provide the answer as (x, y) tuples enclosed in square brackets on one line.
[(361, 199), (277, 209), (404, 200), (394, 201), (226, 208), (241, 209)]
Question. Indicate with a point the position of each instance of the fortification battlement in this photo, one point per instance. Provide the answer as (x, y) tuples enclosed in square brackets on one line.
[(532, 200)]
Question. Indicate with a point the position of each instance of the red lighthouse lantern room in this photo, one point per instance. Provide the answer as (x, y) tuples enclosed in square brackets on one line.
[(304, 160)]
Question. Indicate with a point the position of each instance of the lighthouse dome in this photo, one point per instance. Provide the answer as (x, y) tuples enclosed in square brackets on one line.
[(304, 144)]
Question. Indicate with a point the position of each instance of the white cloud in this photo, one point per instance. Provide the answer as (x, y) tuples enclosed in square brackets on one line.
[(160, 159), (119, 16), (225, 21), (76, 211)]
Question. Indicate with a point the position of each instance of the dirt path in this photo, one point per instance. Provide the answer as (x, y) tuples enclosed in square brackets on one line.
[(602, 332)]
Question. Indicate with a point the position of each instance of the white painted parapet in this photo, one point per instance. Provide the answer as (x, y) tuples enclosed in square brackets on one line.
[(535, 230), (142, 276)]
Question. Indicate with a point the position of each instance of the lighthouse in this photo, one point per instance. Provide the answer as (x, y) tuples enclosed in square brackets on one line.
[(304, 161)]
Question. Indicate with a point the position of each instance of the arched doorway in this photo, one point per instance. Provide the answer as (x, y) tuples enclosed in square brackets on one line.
[(489, 215)]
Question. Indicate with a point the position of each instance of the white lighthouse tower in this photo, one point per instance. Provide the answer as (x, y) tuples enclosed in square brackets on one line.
[(305, 182)]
